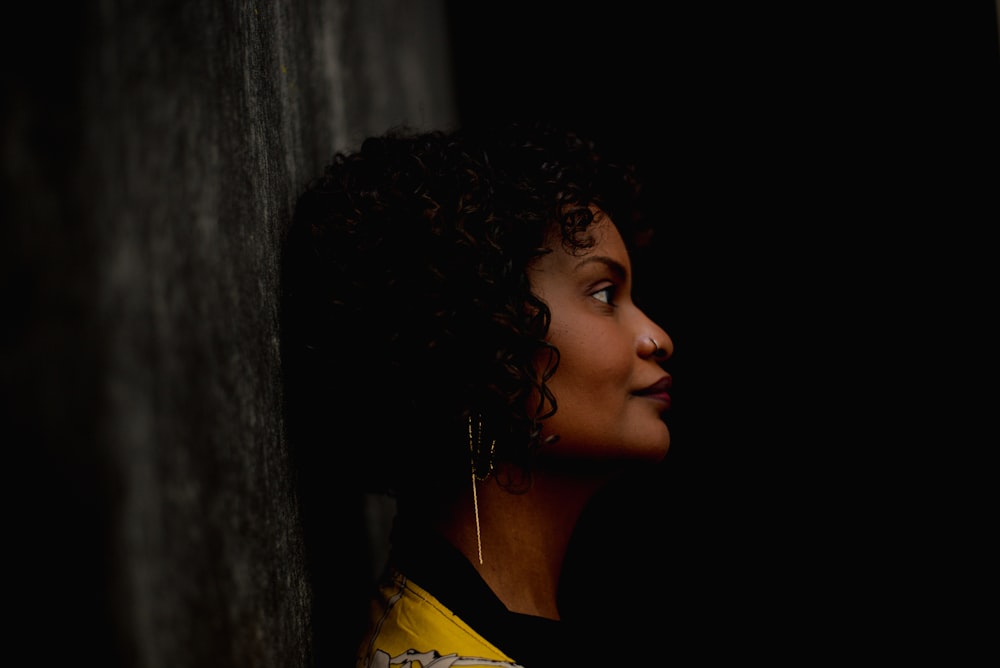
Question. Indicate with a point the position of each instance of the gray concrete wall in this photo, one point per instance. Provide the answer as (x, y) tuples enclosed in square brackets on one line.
[(151, 153)]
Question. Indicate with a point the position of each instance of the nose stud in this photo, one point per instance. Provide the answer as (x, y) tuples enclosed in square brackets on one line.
[(657, 350)]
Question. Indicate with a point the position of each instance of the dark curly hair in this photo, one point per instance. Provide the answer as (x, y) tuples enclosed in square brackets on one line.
[(406, 304)]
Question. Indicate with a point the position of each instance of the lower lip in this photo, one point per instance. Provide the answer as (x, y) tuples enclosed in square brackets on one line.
[(662, 397)]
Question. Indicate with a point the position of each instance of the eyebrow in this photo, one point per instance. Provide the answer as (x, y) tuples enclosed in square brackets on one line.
[(614, 266)]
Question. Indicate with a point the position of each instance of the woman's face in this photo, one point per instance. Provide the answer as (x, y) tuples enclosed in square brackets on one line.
[(610, 388)]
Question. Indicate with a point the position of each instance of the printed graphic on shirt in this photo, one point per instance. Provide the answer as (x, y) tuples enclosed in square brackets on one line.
[(414, 659)]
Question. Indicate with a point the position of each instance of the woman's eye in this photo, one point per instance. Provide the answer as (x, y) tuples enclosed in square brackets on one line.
[(606, 295)]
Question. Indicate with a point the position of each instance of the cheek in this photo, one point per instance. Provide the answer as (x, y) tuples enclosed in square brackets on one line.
[(592, 363)]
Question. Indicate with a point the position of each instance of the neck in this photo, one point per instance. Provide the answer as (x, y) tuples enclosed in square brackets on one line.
[(524, 536)]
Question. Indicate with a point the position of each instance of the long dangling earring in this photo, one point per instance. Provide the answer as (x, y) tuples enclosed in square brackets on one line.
[(476, 453)]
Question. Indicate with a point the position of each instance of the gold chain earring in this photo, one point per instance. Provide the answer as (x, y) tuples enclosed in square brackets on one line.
[(476, 454)]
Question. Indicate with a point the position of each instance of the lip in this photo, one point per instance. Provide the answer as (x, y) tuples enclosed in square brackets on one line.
[(660, 390)]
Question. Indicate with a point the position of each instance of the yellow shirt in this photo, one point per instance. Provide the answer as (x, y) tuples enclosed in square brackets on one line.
[(412, 629)]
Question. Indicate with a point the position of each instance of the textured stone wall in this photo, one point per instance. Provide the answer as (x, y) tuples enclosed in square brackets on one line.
[(150, 155)]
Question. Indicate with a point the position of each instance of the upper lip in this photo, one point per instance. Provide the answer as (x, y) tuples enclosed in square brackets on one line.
[(660, 386)]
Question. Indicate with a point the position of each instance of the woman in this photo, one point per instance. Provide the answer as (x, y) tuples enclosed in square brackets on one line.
[(463, 303)]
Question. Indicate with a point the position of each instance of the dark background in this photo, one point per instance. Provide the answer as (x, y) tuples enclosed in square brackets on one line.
[(827, 181), (824, 176)]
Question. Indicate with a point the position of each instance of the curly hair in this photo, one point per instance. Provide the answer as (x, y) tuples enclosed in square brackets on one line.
[(406, 303)]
